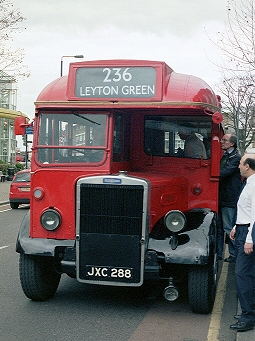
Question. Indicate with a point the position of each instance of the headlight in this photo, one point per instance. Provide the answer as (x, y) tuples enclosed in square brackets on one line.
[(175, 221), (50, 220)]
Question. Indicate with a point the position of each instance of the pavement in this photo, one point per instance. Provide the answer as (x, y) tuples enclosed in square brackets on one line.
[(4, 192), (249, 335), (240, 336)]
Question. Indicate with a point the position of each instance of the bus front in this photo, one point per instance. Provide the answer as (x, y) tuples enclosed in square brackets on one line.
[(115, 198)]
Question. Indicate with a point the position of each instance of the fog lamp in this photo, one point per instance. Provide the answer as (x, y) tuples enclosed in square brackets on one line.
[(171, 293)]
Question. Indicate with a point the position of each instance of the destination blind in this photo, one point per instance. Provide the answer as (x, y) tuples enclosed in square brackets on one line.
[(115, 82)]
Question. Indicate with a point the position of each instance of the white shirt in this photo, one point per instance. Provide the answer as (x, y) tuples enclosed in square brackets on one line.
[(246, 206)]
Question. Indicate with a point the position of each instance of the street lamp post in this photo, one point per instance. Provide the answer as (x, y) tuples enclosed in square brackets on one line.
[(61, 63)]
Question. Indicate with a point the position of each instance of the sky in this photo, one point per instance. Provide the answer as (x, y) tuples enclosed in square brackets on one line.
[(178, 32)]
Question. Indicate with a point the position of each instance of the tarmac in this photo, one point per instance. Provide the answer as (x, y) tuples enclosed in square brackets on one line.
[(240, 336)]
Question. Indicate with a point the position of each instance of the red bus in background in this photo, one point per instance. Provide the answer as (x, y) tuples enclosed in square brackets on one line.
[(116, 199)]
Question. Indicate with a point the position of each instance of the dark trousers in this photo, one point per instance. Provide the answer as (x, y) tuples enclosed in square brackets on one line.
[(245, 277), (225, 222)]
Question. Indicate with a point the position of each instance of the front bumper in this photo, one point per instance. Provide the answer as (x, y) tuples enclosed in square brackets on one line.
[(197, 247)]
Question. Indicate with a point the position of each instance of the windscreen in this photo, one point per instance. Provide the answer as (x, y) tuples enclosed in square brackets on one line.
[(177, 136), (71, 137)]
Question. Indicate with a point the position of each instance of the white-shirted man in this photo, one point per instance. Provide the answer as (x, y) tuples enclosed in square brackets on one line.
[(245, 253)]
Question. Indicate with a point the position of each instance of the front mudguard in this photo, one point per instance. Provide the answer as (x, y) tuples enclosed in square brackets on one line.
[(37, 246), (197, 246)]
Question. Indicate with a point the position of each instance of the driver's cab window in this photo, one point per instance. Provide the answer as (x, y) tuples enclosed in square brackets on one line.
[(72, 137), (177, 136)]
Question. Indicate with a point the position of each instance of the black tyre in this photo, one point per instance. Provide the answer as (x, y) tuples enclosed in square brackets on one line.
[(38, 278), (14, 205), (202, 288)]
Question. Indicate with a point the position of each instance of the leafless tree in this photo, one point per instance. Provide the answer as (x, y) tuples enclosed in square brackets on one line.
[(11, 61), (237, 41), (238, 108), (236, 44)]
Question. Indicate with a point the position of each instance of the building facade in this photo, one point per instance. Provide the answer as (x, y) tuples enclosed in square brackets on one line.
[(8, 113)]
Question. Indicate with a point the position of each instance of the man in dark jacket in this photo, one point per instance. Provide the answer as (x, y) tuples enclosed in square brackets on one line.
[(229, 190)]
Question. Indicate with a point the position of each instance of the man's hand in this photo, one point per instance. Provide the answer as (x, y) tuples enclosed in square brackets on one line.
[(248, 248), (232, 234)]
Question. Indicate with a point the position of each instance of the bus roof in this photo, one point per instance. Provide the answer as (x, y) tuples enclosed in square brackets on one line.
[(127, 83)]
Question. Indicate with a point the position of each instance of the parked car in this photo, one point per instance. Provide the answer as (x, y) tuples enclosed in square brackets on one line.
[(20, 189)]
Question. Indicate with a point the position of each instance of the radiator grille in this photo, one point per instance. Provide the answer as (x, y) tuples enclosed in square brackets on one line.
[(111, 209)]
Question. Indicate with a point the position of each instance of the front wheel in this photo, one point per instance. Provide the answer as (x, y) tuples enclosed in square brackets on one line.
[(202, 288), (38, 278)]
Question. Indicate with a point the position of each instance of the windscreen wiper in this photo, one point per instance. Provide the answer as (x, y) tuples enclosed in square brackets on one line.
[(85, 118)]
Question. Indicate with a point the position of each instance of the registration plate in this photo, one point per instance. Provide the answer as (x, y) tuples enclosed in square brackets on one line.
[(24, 189), (108, 272)]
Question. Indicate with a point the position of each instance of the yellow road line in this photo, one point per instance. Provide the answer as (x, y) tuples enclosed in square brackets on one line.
[(214, 327)]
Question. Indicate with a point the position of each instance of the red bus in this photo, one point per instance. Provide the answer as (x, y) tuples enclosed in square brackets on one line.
[(124, 181)]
